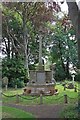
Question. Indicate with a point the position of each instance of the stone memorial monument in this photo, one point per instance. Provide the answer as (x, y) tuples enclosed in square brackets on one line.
[(41, 81)]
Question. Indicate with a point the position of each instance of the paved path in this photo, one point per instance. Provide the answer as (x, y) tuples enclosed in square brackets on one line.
[(41, 111)]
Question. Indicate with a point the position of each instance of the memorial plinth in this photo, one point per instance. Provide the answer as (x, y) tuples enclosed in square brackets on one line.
[(40, 81)]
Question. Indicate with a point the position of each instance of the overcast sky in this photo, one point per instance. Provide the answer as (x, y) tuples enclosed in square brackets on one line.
[(64, 6)]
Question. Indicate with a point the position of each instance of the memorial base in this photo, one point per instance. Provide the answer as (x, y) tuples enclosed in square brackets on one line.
[(40, 81)]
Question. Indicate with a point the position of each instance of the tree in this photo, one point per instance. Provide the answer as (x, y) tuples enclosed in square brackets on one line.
[(20, 17), (63, 50), (23, 24), (74, 13)]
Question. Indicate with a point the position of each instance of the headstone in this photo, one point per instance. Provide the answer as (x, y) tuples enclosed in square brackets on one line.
[(5, 80), (16, 87)]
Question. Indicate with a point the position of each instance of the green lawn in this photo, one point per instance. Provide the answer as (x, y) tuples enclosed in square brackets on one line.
[(10, 112), (0, 112), (70, 111), (12, 91), (55, 99)]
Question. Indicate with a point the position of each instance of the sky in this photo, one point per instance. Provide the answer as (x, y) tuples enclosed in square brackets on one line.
[(64, 7)]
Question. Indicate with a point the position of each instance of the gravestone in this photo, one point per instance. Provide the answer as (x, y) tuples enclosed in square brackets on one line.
[(5, 82)]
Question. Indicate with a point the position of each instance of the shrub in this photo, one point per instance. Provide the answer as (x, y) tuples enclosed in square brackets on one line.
[(77, 77), (18, 82), (59, 73), (13, 69)]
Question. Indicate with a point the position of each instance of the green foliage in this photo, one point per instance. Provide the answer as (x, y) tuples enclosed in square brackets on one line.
[(59, 73), (77, 77), (14, 70), (19, 83), (63, 50), (32, 67), (58, 44)]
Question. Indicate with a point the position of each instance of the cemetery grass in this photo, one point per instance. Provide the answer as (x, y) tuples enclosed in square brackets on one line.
[(54, 99), (70, 111), (10, 112)]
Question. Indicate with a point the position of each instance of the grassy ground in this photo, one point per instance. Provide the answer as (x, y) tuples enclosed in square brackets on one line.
[(70, 111), (0, 112), (9, 112), (55, 99)]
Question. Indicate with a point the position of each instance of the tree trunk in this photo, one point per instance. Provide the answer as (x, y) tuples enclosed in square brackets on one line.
[(78, 39), (74, 13), (40, 50), (25, 52), (25, 39)]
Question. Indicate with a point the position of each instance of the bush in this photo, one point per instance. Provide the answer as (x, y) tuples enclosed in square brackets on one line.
[(18, 82), (13, 69), (77, 77), (59, 73)]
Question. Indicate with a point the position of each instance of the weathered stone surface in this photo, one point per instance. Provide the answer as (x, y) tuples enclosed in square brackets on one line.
[(5, 80), (40, 80), (33, 76), (41, 77), (48, 76)]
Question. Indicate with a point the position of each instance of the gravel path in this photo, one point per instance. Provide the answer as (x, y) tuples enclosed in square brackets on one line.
[(40, 111)]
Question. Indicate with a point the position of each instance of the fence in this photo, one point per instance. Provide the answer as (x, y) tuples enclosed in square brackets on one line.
[(41, 98)]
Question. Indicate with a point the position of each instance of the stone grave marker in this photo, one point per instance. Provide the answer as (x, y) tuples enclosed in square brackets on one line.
[(5, 82)]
